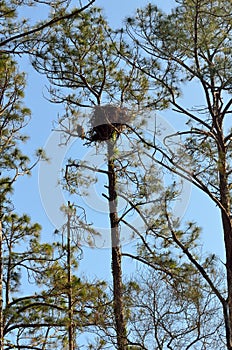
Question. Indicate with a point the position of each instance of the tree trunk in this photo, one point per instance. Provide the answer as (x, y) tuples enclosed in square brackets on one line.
[(1, 293), (228, 247), (227, 229), (71, 341), (116, 252), (226, 222)]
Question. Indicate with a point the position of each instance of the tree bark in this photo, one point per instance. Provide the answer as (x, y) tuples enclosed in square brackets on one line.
[(1, 293), (227, 229), (228, 248), (225, 201), (71, 341), (116, 251)]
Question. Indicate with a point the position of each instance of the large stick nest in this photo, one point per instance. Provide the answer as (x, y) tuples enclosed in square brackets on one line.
[(107, 121)]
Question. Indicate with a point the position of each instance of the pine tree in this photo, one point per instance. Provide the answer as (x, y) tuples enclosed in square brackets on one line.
[(98, 71), (16, 32), (87, 65), (191, 48)]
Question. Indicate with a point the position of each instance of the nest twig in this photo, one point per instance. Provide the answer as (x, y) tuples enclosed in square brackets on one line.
[(107, 121)]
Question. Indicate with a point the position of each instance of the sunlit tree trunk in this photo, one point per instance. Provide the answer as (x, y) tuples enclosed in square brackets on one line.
[(1, 292), (71, 341), (116, 250), (225, 218)]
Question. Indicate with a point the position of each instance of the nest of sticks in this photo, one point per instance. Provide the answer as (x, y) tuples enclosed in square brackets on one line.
[(107, 121)]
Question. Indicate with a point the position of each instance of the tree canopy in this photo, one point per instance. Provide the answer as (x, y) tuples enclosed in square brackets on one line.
[(111, 84)]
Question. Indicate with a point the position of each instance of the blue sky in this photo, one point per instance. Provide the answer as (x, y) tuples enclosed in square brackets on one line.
[(96, 262)]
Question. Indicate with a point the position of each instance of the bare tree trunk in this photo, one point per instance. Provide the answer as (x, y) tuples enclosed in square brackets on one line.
[(228, 247), (1, 293), (70, 294), (116, 252), (227, 229), (225, 201)]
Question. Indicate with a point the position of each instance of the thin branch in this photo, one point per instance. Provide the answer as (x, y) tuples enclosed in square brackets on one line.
[(47, 24), (146, 262), (193, 260), (178, 170)]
